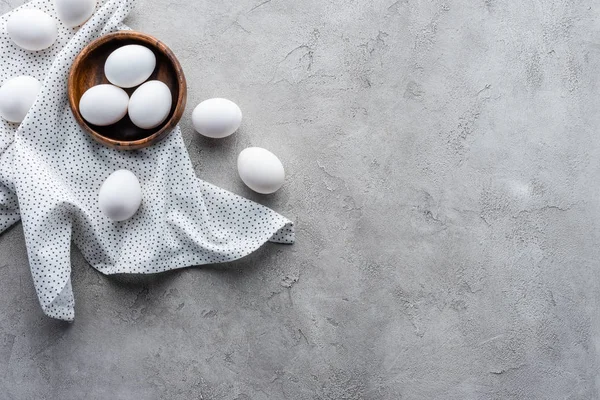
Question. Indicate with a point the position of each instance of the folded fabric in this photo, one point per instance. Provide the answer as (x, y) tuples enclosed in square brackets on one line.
[(51, 171)]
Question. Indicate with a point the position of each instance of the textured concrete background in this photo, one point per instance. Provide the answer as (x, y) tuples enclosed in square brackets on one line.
[(442, 163)]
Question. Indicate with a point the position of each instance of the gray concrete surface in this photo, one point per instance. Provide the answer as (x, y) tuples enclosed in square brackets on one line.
[(442, 162)]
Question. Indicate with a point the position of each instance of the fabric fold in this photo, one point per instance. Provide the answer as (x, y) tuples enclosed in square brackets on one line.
[(55, 170)]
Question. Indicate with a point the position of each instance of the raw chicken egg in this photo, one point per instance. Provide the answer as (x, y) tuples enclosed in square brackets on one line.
[(217, 118), (260, 170), (150, 105), (74, 12), (120, 195), (32, 29), (103, 105), (17, 95), (130, 65)]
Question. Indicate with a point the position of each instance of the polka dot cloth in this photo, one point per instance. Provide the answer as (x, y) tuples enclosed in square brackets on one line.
[(51, 171)]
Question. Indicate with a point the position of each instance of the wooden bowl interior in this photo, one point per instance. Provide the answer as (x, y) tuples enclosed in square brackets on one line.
[(90, 72)]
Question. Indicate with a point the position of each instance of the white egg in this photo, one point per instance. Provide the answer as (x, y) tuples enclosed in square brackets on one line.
[(103, 105), (32, 29), (260, 170), (120, 195), (217, 118), (130, 65), (75, 12), (17, 95), (150, 105)]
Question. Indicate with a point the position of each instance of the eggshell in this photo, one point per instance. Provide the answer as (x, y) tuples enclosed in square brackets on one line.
[(103, 105), (150, 105), (17, 95), (32, 29), (130, 65), (260, 170), (120, 195), (217, 118), (73, 13)]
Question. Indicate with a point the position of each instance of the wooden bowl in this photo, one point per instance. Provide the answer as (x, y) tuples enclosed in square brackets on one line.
[(88, 71)]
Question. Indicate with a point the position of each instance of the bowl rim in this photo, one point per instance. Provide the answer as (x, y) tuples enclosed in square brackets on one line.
[(181, 98)]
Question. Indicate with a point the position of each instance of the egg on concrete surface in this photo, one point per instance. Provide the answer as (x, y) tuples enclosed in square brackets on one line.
[(260, 170), (73, 13), (129, 66), (217, 118), (150, 105), (103, 105), (32, 29), (17, 95), (120, 195)]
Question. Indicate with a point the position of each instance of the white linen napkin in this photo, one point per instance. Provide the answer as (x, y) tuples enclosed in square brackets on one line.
[(51, 171)]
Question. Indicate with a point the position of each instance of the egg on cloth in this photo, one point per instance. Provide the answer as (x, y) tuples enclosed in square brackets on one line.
[(73, 13), (120, 195), (260, 170), (150, 105), (103, 105), (17, 95), (129, 66), (217, 118), (32, 29)]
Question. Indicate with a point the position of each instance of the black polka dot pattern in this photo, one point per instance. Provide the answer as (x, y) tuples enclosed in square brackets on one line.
[(54, 170)]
